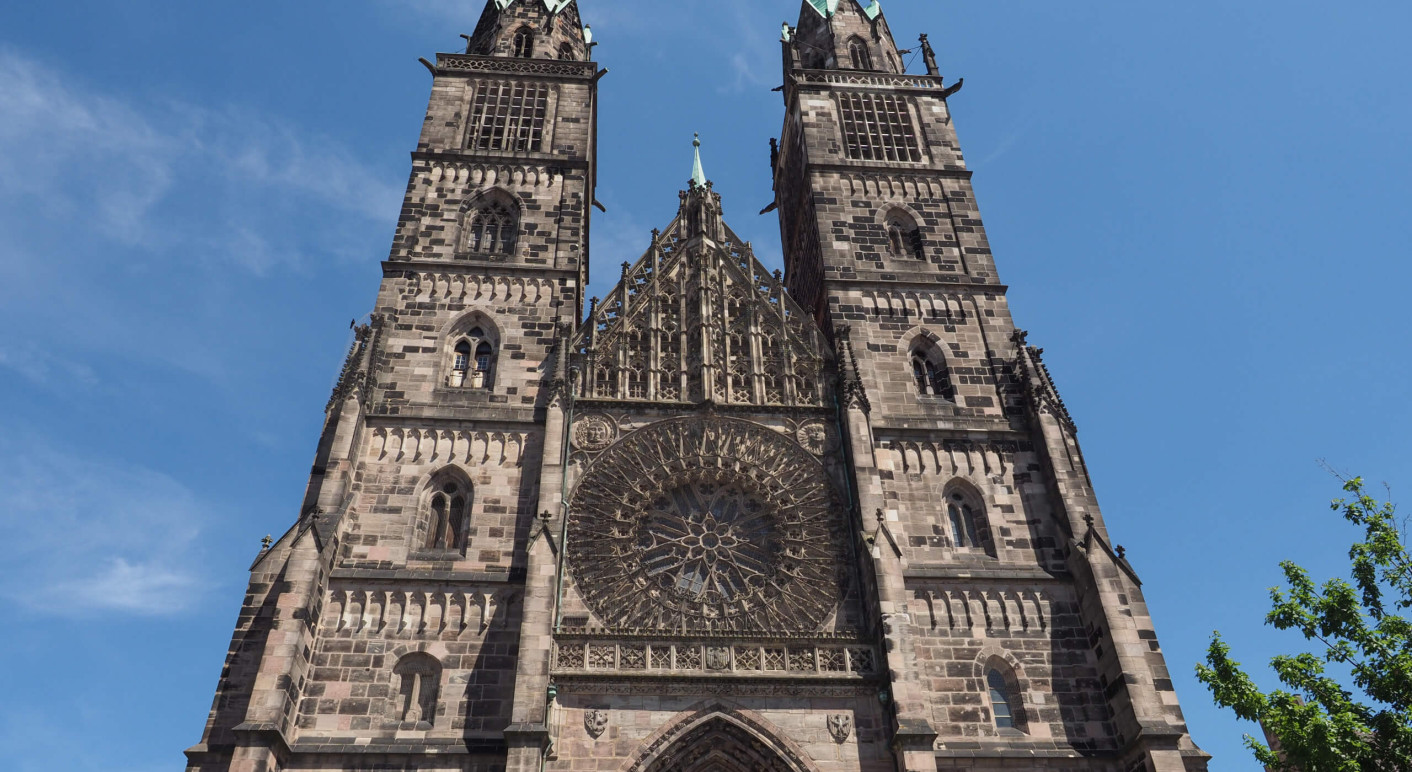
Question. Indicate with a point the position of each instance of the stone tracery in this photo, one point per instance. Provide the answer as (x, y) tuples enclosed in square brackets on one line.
[(699, 319), (706, 524)]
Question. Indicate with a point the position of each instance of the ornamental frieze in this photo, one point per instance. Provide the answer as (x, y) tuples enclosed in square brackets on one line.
[(681, 658)]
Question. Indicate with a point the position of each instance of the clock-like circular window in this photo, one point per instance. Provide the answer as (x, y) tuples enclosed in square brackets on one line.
[(707, 524)]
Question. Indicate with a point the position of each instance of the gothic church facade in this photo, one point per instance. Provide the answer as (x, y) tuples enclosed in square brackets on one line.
[(829, 519)]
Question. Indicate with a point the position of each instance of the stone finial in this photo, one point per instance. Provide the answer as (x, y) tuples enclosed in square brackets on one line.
[(266, 542)]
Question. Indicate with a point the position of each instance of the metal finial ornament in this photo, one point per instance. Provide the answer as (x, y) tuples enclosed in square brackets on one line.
[(698, 175)]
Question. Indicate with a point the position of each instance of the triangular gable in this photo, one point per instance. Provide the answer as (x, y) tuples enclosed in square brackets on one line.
[(646, 339)]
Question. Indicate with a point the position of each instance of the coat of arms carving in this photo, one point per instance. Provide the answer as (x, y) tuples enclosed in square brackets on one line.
[(718, 658), (840, 726), (595, 721)]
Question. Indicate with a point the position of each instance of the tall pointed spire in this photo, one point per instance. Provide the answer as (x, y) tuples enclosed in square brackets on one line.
[(698, 175)]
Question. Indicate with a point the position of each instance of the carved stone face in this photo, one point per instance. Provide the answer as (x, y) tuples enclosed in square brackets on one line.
[(706, 524)]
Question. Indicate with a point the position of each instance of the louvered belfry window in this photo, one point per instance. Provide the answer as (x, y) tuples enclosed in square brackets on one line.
[(878, 127), (508, 116)]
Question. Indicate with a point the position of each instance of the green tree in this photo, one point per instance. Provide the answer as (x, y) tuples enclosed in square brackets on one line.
[(1355, 718)]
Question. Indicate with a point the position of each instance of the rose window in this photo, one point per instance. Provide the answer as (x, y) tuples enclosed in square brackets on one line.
[(705, 542), (707, 524)]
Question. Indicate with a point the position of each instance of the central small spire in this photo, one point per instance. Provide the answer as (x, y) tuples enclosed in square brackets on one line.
[(698, 176)]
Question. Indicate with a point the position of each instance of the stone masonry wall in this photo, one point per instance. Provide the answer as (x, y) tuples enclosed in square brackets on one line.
[(1031, 629), (368, 627), (634, 722)]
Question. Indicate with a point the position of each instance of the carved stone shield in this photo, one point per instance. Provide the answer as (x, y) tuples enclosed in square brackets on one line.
[(840, 726), (718, 658), (594, 722)]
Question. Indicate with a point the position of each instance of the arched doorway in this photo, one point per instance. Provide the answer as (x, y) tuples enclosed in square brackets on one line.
[(719, 742)]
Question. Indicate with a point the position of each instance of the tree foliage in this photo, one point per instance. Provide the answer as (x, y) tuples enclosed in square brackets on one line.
[(1345, 705)]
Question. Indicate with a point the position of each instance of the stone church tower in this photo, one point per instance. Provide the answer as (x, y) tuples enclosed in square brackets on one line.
[(722, 520)]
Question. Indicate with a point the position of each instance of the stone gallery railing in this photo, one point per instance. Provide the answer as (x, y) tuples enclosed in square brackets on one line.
[(764, 658), (499, 64), (866, 78)]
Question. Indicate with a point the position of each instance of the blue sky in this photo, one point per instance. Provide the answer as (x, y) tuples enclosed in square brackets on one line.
[(1200, 208)]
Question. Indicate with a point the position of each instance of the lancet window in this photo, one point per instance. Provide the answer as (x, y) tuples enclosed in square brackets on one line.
[(929, 372), (878, 127), (904, 238), (508, 115), (419, 677), (492, 228), (448, 513), (964, 530), (523, 43), (1004, 707), (472, 361), (858, 54)]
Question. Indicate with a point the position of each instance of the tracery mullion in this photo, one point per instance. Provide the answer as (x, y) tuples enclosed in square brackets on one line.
[(723, 333), (757, 358), (654, 328), (683, 333), (788, 389)]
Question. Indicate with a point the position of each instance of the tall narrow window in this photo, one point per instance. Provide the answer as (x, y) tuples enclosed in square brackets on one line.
[(472, 360), (904, 238), (492, 229), (420, 680), (930, 374), (963, 522), (462, 362), (858, 54), (446, 522), (1001, 700), (484, 355), (523, 43)]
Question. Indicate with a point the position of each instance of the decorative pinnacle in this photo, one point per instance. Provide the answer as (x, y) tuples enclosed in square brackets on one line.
[(698, 176), (266, 542)]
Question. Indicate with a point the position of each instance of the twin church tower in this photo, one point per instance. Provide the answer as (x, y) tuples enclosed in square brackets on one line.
[(724, 519)]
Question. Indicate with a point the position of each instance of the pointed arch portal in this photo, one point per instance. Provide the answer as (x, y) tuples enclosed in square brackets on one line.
[(718, 744)]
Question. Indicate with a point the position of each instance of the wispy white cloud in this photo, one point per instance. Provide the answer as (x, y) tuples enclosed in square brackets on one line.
[(40, 366), (132, 172), (755, 60), (1008, 140), (90, 535)]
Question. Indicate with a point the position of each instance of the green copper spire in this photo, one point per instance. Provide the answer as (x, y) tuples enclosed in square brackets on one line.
[(828, 8), (698, 176)]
